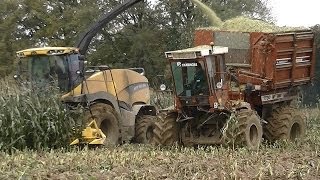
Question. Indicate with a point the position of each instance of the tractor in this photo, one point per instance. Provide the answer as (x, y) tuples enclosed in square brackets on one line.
[(209, 103), (239, 93)]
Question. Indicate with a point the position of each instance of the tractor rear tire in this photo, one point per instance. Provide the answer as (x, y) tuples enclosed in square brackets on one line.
[(166, 131), (285, 123), (107, 120), (144, 129), (247, 131)]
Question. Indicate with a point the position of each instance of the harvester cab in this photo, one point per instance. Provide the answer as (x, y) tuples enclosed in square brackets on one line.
[(200, 77), (40, 67)]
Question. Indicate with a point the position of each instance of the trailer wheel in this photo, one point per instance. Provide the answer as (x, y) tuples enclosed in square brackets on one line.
[(247, 130), (166, 131), (285, 124), (144, 129), (107, 120)]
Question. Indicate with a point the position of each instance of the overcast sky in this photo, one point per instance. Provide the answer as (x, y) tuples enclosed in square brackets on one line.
[(294, 12)]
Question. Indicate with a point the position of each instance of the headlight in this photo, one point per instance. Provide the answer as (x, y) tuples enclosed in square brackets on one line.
[(219, 85), (163, 87)]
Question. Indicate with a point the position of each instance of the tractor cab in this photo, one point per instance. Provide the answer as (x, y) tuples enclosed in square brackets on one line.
[(200, 77), (40, 67)]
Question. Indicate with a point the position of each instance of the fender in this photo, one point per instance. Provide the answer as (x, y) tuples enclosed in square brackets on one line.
[(98, 96), (144, 109)]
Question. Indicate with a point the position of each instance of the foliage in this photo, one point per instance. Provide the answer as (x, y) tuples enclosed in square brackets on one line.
[(162, 99), (31, 120), (138, 37), (9, 15), (312, 93)]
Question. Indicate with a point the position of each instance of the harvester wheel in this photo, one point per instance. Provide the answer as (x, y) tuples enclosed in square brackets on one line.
[(166, 131), (144, 129), (285, 123), (247, 130), (107, 120)]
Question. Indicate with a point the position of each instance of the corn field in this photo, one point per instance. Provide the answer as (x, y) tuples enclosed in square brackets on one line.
[(36, 130), (31, 120)]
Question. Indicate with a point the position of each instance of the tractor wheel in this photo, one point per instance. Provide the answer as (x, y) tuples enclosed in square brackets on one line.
[(247, 130), (285, 124), (166, 131), (144, 129), (107, 120)]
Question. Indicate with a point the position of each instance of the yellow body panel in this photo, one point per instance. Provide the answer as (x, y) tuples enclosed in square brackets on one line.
[(47, 51), (128, 85)]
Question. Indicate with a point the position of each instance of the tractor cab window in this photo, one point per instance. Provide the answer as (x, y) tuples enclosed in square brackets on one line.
[(216, 69), (190, 78)]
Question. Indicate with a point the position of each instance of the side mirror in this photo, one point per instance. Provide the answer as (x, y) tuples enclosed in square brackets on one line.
[(79, 73)]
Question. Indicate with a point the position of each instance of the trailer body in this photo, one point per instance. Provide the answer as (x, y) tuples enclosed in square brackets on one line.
[(272, 60)]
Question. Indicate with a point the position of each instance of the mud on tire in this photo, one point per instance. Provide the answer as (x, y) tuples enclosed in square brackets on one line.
[(246, 130), (107, 120), (144, 129), (285, 123), (166, 131)]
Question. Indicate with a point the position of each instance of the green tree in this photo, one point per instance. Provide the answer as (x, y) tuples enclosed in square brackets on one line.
[(134, 39), (9, 15), (56, 22), (137, 38)]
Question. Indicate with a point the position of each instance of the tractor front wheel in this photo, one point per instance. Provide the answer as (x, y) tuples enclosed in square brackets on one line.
[(166, 131), (246, 129), (144, 129)]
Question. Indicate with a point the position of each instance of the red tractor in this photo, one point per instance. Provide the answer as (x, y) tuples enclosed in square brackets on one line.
[(240, 93)]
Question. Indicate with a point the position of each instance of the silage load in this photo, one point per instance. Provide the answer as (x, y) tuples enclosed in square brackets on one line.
[(244, 24)]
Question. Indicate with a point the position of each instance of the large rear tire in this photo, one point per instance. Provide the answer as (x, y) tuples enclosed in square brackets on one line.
[(285, 123), (144, 129), (107, 120), (166, 131), (247, 130)]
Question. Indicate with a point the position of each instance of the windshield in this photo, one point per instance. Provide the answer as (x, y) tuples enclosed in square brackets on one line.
[(50, 70), (190, 78)]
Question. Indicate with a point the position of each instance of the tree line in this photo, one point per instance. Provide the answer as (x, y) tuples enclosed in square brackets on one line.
[(137, 38)]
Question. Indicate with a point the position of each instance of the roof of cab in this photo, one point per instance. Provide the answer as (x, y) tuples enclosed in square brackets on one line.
[(204, 50), (47, 51)]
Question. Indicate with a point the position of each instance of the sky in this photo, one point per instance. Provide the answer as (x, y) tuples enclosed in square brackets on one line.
[(295, 12)]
